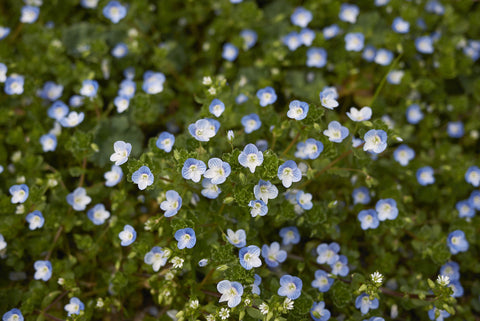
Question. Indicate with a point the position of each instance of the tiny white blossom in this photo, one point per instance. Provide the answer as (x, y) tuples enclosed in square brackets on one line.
[(194, 304), (177, 262), (288, 304), (264, 308), (443, 280), (207, 81), (224, 313), (377, 277)]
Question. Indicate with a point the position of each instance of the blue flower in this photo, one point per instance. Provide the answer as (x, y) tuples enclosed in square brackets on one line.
[(19, 193), (273, 255), (128, 235), (386, 209), (78, 199), (310, 149), (186, 238), (3, 244), (318, 311), (218, 171), (472, 176), (262, 145), (361, 195), (414, 114), (258, 208), (336, 132), (307, 36), (375, 141), (455, 129), (250, 257), (210, 190), (249, 38), (127, 89), (237, 238), (400, 26), (13, 315), (328, 253), (172, 204), (165, 142), (364, 304), (89, 4), (340, 267), (251, 123), (328, 97), (369, 53), (76, 101), (120, 50), (265, 190), (348, 12), (156, 258), (72, 119), (241, 98), (256, 284), (433, 6), (354, 41), (475, 199), (143, 177), (29, 14), (452, 270), (74, 306), (203, 262), (290, 235), (193, 169), (4, 31), (457, 288), (292, 41), (51, 91), (457, 242), (14, 85), (231, 292), (298, 110), (304, 200), (360, 115), (368, 219), (424, 44), (290, 286), (316, 57), (394, 77), (204, 129), (230, 52), (217, 107), (49, 142), (58, 110), (465, 209), (383, 57), (403, 154), (114, 11), (122, 151), (153, 82), (35, 219), (301, 17), (121, 103), (330, 31), (3, 72), (89, 88), (322, 281), (250, 157), (43, 270), (98, 214), (267, 96), (114, 176), (425, 176), (288, 173), (437, 314)]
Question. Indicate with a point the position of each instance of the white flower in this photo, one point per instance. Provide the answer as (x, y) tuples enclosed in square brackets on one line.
[(377, 278), (288, 304), (122, 151), (212, 91), (194, 304), (207, 81), (443, 280), (177, 262), (224, 313), (264, 308)]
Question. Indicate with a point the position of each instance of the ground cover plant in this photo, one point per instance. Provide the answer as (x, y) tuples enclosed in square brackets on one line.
[(239, 160)]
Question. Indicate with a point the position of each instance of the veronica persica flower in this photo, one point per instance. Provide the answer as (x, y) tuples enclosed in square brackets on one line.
[(153, 82), (4, 31), (210, 190), (29, 14), (49, 142), (204, 129), (120, 50), (394, 77), (89, 88), (251, 123), (217, 107), (383, 57), (156, 258), (143, 177), (74, 306), (43, 270), (237, 238), (121, 103), (364, 304), (301, 17), (114, 176), (3, 244), (354, 41), (250, 257), (258, 208), (361, 195), (457, 242), (348, 13), (265, 190), (127, 89), (14, 85), (273, 255), (3, 72), (330, 31), (51, 91), (230, 52), (307, 36), (386, 209), (249, 38), (292, 40), (403, 154), (89, 4), (218, 171), (328, 253), (193, 169), (186, 238), (455, 129), (290, 235), (442, 314), (340, 267), (256, 284), (298, 110), (172, 204), (267, 96), (322, 281), (434, 6), (165, 142), (472, 176), (369, 53), (316, 57), (365, 113), (122, 151), (231, 292), (465, 209), (425, 176), (375, 141), (13, 315), (318, 312), (424, 45), (114, 11), (98, 214), (79, 199), (250, 157), (474, 199), (400, 26), (127, 236), (72, 119), (414, 114), (368, 219), (452, 270), (304, 200), (35, 220), (290, 286), (310, 149), (336, 132), (288, 173)]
